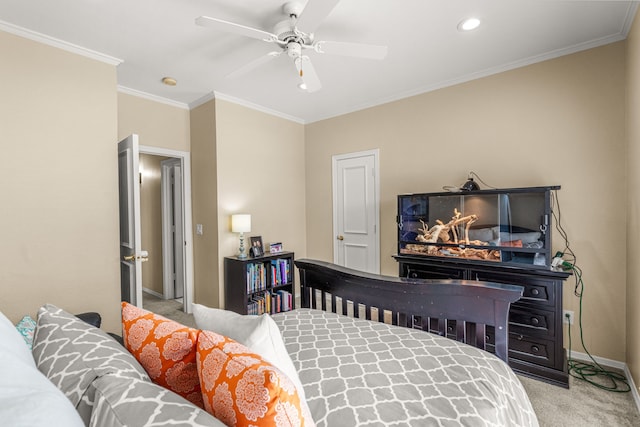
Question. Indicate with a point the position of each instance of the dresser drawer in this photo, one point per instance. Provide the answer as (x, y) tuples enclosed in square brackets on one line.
[(537, 291), (431, 272), (532, 349), (529, 321)]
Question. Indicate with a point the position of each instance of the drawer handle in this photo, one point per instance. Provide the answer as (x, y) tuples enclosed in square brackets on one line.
[(414, 275), (535, 348), (535, 292), (519, 337), (534, 321)]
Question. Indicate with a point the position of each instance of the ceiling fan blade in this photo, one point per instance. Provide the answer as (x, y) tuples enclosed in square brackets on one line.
[(230, 27), (313, 14), (358, 50), (307, 73), (254, 64)]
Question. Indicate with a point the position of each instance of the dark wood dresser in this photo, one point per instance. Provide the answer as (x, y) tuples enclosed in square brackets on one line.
[(536, 347)]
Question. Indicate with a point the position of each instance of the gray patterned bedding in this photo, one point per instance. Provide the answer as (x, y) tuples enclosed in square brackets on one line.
[(361, 373)]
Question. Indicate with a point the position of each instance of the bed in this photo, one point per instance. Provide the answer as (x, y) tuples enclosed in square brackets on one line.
[(339, 370), (390, 372)]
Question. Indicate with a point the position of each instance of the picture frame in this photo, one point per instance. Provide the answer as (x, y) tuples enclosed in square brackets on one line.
[(256, 246), (275, 248)]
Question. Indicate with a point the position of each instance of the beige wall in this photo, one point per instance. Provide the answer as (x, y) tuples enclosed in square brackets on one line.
[(59, 182), (157, 125), (205, 197), (151, 221), (633, 203), (261, 167), (556, 122)]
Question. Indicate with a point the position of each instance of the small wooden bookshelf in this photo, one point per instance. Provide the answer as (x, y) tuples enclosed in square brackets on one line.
[(258, 285)]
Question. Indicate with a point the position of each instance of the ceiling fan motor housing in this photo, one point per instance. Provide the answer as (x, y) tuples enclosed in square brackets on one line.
[(287, 32)]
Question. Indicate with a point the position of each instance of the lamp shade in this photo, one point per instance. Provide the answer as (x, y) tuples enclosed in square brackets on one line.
[(241, 223)]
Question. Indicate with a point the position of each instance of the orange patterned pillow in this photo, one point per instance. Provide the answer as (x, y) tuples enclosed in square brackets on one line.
[(242, 389), (165, 348)]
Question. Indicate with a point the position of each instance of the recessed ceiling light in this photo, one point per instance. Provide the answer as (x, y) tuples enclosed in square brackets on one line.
[(302, 86), (169, 81), (468, 24)]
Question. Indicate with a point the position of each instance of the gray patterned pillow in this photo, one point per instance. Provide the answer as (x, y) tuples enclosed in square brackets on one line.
[(121, 402), (72, 354)]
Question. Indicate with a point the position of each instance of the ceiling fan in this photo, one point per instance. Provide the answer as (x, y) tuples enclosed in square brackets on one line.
[(294, 36)]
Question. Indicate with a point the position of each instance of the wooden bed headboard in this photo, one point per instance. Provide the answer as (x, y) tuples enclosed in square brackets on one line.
[(460, 309)]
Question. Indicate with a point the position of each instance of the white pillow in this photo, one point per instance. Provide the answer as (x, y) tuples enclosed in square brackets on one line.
[(259, 333), (11, 342), (27, 397)]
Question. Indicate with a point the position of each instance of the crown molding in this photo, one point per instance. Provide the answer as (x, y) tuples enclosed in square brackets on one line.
[(60, 44), (628, 21), (150, 97), (251, 105), (202, 100), (478, 75)]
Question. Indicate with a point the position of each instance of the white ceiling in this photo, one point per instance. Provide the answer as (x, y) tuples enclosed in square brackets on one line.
[(151, 39)]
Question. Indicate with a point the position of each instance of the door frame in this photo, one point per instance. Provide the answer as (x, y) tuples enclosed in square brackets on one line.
[(185, 160), (376, 181)]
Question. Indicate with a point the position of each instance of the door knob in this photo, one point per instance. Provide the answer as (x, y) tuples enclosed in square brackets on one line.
[(143, 257), (340, 237)]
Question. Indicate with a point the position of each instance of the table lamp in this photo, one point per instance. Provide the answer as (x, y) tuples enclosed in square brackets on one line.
[(241, 223)]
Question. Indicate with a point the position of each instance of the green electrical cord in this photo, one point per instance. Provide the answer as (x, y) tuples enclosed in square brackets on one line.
[(587, 371), (581, 370)]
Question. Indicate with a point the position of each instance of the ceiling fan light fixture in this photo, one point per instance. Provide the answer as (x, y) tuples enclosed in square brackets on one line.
[(468, 24)]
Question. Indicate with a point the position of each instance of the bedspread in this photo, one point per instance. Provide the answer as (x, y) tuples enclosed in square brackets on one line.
[(363, 373)]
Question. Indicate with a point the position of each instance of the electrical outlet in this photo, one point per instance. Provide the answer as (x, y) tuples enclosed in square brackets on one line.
[(567, 317)]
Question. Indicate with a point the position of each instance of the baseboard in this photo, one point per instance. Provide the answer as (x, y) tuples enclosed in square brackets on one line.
[(154, 293), (634, 389), (584, 357), (612, 364)]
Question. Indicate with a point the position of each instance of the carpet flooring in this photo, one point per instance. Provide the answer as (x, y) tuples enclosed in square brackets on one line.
[(583, 404), (171, 309), (579, 406)]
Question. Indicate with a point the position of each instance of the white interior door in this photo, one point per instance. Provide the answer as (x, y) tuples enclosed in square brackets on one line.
[(131, 254), (173, 240), (356, 211)]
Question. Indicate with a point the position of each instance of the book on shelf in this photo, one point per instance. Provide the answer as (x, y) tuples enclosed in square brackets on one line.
[(260, 304), (285, 300), (256, 277), (276, 303), (270, 302), (280, 271)]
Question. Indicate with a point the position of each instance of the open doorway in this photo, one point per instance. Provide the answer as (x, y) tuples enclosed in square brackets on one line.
[(165, 227)]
